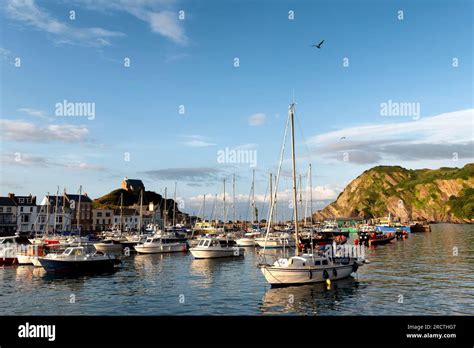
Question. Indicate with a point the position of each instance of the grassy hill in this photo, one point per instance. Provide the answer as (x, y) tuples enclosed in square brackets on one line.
[(112, 200), (445, 194)]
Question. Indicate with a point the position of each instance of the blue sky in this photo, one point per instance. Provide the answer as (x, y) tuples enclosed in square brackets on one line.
[(190, 62)]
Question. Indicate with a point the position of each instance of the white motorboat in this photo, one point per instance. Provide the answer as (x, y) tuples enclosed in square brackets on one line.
[(210, 248), (276, 240), (305, 268), (154, 245), (109, 247), (248, 240)]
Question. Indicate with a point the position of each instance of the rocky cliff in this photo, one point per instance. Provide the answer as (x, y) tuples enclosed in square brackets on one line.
[(441, 195)]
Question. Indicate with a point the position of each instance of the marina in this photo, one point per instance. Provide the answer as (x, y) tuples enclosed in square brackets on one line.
[(421, 268)]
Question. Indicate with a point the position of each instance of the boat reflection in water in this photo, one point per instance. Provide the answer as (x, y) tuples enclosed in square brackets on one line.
[(311, 299)]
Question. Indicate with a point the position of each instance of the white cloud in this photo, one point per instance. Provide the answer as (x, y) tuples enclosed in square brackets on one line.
[(257, 119), (25, 131), (197, 141), (160, 15), (455, 126), (27, 12), (430, 138), (35, 113)]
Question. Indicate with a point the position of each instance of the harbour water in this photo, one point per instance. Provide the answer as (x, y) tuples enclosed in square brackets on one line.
[(427, 274)]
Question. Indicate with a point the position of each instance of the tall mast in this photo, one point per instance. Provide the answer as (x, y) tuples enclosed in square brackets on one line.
[(79, 213), (121, 212), (233, 198), (295, 202), (166, 210), (224, 215), (301, 192), (275, 203), (271, 196), (56, 210), (174, 205), (253, 196), (204, 208), (47, 215), (310, 195), (63, 209), (141, 211)]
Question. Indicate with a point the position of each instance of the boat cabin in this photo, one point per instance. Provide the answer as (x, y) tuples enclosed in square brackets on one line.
[(210, 242)]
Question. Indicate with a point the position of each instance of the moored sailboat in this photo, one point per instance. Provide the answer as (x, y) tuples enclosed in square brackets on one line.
[(305, 268)]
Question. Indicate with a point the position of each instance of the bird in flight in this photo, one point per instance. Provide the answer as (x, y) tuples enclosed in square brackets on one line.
[(318, 45), (342, 138)]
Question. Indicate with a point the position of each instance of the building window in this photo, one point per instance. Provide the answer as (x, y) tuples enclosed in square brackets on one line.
[(21, 209), (99, 214), (31, 209), (107, 214), (9, 209)]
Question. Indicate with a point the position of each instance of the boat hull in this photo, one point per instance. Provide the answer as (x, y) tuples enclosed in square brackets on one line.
[(245, 242), (108, 248), (161, 248), (90, 266), (7, 261), (24, 259), (275, 244), (281, 276), (214, 254)]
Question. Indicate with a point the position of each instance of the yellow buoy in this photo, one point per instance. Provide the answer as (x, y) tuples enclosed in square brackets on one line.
[(328, 282)]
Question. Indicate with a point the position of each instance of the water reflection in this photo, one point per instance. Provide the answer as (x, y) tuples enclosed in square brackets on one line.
[(311, 299)]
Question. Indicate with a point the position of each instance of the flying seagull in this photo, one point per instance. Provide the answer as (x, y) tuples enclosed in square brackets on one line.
[(342, 138), (318, 45)]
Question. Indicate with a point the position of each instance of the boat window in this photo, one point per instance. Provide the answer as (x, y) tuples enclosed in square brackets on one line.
[(206, 243), (67, 251), (317, 263), (325, 262)]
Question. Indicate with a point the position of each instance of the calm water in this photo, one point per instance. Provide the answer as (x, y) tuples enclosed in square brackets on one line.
[(422, 269)]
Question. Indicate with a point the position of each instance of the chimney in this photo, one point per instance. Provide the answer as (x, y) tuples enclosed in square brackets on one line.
[(11, 195)]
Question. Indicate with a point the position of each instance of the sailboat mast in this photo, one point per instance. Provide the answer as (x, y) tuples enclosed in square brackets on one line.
[(79, 213), (233, 198), (56, 211), (295, 201), (253, 196), (174, 205), (121, 212), (166, 210), (224, 215), (141, 211), (271, 197), (204, 208), (47, 215), (310, 195)]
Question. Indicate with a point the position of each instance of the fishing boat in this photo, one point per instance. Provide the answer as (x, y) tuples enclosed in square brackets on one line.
[(79, 260), (305, 268), (211, 248), (367, 237), (386, 225), (154, 245)]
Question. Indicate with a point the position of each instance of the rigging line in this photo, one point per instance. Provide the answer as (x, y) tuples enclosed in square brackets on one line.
[(277, 182), (311, 159)]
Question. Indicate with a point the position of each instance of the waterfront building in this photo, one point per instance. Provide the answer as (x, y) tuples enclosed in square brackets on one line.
[(27, 212), (8, 216), (102, 219)]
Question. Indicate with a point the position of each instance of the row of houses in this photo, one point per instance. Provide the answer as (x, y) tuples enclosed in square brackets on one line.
[(66, 213)]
